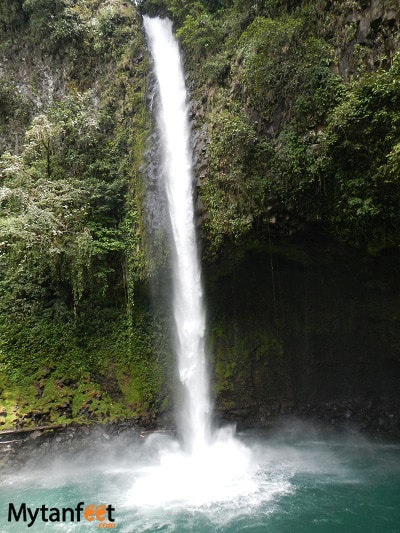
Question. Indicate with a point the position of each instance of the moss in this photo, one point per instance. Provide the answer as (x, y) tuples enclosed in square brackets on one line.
[(243, 354), (52, 398), (96, 367), (70, 295)]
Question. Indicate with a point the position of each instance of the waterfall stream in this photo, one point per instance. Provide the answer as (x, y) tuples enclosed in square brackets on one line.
[(176, 173), (213, 465)]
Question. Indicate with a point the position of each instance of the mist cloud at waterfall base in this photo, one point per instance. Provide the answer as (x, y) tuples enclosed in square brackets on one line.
[(255, 477)]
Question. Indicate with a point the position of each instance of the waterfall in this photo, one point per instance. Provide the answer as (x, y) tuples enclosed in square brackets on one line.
[(211, 466), (177, 174)]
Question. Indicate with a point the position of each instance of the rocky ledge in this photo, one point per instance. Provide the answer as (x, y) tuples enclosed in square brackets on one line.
[(32, 445), (358, 415)]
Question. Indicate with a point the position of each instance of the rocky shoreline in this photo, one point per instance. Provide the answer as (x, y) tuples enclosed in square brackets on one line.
[(32, 445), (357, 415)]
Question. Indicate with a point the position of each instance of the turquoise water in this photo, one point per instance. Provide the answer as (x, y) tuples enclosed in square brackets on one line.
[(300, 480)]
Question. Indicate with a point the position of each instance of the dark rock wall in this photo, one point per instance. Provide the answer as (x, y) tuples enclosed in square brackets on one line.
[(301, 328)]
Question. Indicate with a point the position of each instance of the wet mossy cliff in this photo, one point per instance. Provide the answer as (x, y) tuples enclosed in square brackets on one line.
[(296, 123), (77, 341), (295, 109), (310, 330)]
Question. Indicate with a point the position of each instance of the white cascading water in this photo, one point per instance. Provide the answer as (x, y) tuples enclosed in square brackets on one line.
[(213, 467), (188, 307)]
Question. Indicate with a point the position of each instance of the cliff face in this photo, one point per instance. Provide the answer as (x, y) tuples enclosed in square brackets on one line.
[(296, 124), (309, 329), (73, 126), (374, 27), (295, 112)]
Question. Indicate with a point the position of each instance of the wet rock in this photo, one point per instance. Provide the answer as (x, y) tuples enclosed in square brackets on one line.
[(19, 448)]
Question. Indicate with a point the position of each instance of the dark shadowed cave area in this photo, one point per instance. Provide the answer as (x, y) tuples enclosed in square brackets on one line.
[(317, 334)]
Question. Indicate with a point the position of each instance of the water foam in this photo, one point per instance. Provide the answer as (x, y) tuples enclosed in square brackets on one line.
[(222, 480)]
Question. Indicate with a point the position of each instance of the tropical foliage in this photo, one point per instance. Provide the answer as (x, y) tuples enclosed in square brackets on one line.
[(301, 104)]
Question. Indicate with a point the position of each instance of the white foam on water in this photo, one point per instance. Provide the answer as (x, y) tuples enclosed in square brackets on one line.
[(222, 480)]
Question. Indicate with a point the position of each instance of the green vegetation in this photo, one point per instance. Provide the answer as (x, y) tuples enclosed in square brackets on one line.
[(74, 125), (301, 104), (296, 117), (360, 150)]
